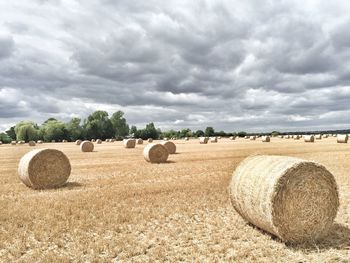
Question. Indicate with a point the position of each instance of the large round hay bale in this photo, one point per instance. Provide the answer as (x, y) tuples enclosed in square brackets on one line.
[(203, 140), (342, 138), (150, 140), (129, 143), (214, 139), (294, 199), (78, 142), (98, 141), (170, 146), (309, 138), (139, 141), (31, 143), (265, 139), (44, 168), (155, 153), (86, 146), (13, 142)]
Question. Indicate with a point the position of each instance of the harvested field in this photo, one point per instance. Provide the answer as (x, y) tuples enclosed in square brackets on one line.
[(116, 206)]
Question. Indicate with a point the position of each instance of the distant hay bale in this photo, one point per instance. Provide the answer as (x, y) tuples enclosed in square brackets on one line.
[(64, 141), (155, 153), (219, 137), (53, 141), (44, 168), (86, 146), (98, 141), (31, 143), (342, 138), (214, 139), (112, 140), (165, 139), (203, 140), (13, 142), (318, 137), (78, 142), (170, 146), (150, 140), (232, 138), (0, 142), (286, 137), (294, 199), (139, 141), (252, 138), (93, 140), (325, 136), (40, 142), (186, 138), (296, 137), (265, 138), (309, 138), (129, 143), (21, 142)]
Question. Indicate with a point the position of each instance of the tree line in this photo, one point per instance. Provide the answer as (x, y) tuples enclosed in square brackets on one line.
[(98, 125)]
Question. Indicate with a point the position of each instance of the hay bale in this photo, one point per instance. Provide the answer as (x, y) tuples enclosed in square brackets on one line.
[(44, 168), (294, 199), (112, 140), (296, 137), (325, 136), (186, 138), (214, 139), (86, 146), (13, 142), (53, 141), (40, 142), (139, 141), (309, 138), (150, 140), (318, 137), (93, 140), (31, 143), (252, 138), (342, 138), (265, 139), (129, 143), (286, 136), (64, 141), (203, 140), (98, 141), (219, 137), (78, 142), (166, 139), (21, 142), (0, 142), (170, 146), (155, 153), (232, 138)]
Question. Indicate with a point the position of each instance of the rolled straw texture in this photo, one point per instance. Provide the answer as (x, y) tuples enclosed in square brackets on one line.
[(155, 153)]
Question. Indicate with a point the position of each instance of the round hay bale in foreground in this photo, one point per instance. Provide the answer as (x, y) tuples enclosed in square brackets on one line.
[(31, 143), (309, 138), (342, 138), (86, 146), (203, 140), (294, 199), (155, 153), (139, 141), (98, 141), (170, 146), (78, 142), (150, 140), (44, 168), (265, 139), (129, 143)]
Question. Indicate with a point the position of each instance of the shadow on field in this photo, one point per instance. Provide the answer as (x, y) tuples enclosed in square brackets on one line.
[(337, 238), (71, 185)]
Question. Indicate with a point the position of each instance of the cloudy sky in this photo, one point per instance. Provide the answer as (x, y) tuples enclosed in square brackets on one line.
[(234, 65)]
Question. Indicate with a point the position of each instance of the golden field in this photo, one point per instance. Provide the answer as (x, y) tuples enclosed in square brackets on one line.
[(119, 208)]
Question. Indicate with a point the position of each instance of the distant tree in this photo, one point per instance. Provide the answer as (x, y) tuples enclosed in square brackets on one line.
[(5, 138), (121, 128), (53, 129), (221, 133), (26, 131), (133, 131), (275, 133), (185, 133), (150, 132), (11, 133), (199, 133), (74, 130), (209, 131), (98, 126), (242, 134)]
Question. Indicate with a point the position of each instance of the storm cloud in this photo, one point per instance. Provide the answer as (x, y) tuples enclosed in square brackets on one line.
[(233, 65)]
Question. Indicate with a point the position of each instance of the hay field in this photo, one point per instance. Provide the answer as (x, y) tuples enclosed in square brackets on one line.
[(119, 208)]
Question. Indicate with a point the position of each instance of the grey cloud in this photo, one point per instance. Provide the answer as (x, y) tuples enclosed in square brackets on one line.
[(7, 46)]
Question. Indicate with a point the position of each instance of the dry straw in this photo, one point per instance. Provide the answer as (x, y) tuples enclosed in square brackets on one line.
[(0, 142), (78, 142), (214, 139), (44, 168), (232, 138), (40, 142), (129, 143), (93, 140), (64, 141), (53, 141), (342, 138), (296, 137), (309, 138), (98, 141), (155, 153), (13, 142), (165, 139), (265, 138), (150, 140), (294, 199), (170, 146), (203, 140), (31, 143), (86, 146), (139, 141), (318, 137), (325, 136), (252, 138), (186, 138)]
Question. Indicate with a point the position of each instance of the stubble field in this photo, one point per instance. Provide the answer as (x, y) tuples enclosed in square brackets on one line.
[(119, 208)]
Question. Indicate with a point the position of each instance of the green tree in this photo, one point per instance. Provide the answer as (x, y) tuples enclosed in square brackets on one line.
[(5, 138), (121, 128), (185, 133), (53, 129), (26, 131), (242, 134), (199, 133), (11, 133), (74, 130), (133, 131), (209, 131), (98, 126)]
